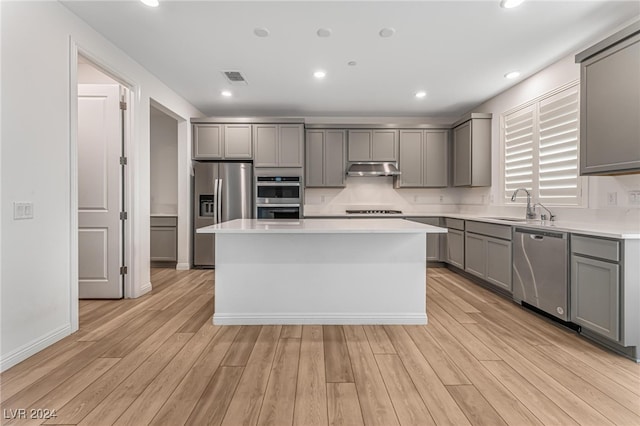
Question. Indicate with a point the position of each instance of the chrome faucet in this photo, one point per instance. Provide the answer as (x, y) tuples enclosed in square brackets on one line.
[(544, 216), (531, 211)]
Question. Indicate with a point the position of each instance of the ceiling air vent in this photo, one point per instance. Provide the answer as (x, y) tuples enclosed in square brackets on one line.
[(235, 77)]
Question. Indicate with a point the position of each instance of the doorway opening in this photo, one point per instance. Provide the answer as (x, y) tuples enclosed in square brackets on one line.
[(163, 188)]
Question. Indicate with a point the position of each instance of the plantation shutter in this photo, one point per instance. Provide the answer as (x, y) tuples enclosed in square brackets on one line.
[(519, 153), (541, 148), (558, 148)]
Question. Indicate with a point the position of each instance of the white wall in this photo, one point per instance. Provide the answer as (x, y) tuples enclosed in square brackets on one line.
[(36, 272), (164, 163), (88, 74)]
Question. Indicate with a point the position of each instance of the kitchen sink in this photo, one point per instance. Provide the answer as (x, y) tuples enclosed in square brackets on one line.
[(508, 219)]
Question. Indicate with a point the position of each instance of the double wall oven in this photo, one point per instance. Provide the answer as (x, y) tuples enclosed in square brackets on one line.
[(279, 193)]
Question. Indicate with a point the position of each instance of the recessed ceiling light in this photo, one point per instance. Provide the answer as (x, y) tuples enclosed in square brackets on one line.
[(421, 94), (324, 32), (151, 3), (319, 74), (510, 4), (352, 63), (512, 75), (387, 32), (226, 93), (261, 32)]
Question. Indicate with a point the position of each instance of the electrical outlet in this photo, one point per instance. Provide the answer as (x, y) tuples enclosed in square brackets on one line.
[(612, 198), (22, 210), (634, 197), (442, 198)]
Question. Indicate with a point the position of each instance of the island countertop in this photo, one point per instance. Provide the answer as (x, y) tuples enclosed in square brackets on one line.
[(321, 226)]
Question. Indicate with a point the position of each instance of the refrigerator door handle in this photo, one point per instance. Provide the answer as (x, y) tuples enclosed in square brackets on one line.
[(216, 201), (219, 199)]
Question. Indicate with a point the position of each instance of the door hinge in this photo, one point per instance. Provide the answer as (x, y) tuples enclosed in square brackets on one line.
[(123, 270), (123, 215), (123, 161), (123, 105)]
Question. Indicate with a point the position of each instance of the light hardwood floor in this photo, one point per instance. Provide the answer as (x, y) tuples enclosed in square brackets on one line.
[(481, 360)]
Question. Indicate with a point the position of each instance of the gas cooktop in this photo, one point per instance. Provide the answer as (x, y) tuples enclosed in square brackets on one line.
[(373, 212)]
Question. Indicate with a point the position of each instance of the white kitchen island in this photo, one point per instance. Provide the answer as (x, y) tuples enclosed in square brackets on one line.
[(320, 271)]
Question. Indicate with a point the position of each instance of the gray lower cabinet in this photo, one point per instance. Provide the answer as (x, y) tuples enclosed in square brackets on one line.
[(278, 145), (610, 104), (595, 294), (499, 263), (454, 242), (433, 240), (424, 158), (472, 151), (373, 145), (605, 294), (164, 239), (475, 256), (488, 253), (222, 142), (325, 158), (595, 285), (455, 248)]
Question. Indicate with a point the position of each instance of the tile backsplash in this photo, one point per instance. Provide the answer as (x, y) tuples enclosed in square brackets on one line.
[(379, 193)]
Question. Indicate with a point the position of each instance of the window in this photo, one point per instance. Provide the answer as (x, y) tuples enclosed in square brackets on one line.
[(540, 141)]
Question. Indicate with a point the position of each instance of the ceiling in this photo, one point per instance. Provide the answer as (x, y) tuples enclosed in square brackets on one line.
[(456, 51)]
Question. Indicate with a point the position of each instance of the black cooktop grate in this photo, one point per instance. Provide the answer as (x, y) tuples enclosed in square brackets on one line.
[(373, 212)]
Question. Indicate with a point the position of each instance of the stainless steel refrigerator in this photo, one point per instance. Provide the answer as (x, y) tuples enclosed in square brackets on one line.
[(221, 192)]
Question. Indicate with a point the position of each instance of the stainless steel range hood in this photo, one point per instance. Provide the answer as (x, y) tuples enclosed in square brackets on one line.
[(373, 169)]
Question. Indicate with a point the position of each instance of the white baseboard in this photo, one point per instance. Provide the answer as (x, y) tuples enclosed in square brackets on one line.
[(25, 351), (302, 318), (182, 267), (146, 288)]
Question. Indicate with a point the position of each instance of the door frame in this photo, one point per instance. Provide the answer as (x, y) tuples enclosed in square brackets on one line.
[(75, 49)]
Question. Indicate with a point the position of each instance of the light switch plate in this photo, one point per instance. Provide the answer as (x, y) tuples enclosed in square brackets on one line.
[(22, 210), (634, 197)]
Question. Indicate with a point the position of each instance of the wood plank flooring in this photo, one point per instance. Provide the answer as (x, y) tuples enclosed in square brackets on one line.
[(481, 360)]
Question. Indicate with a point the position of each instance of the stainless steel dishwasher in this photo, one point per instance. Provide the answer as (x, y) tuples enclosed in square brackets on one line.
[(540, 270)]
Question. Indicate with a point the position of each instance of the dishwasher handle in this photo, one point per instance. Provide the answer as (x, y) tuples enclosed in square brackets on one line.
[(540, 233)]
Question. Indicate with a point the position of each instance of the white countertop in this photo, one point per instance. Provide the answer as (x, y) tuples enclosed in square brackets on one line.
[(607, 230), (321, 226)]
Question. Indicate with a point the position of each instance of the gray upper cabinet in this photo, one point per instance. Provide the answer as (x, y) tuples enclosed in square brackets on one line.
[(472, 151), (291, 145), (237, 141), (423, 158), (278, 145), (265, 145), (222, 141), (207, 141), (325, 158), (373, 145), (610, 105)]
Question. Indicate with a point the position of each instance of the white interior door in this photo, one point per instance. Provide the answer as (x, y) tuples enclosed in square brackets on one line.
[(99, 192)]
